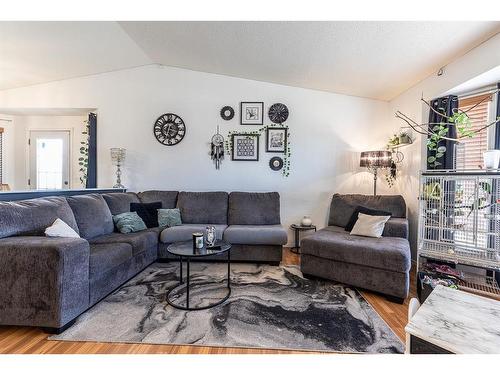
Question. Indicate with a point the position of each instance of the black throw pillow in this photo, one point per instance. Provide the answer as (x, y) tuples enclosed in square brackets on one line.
[(147, 212), (366, 211)]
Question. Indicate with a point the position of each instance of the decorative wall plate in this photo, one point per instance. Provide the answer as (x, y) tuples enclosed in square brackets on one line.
[(227, 113), (278, 113), (169, 129), (276, 163)]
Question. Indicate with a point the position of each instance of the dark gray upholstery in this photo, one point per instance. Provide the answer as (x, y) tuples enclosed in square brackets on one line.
[(168, 199), (343, 205), (391, 253), (254, 208), (104, 257), (256, 234), (379, 264), (391, 283), (44, 281), (396, 227), (92, 215), (50, 281), (185, 232), (140, 241), (203, 207), (32, 216), (119, 203)]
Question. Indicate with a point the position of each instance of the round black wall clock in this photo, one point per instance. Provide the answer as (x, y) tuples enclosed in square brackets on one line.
[(169, 129), (276, 163), (278, 113), (227, 113)]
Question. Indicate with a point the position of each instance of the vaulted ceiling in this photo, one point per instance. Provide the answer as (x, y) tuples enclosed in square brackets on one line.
[(370, 59)]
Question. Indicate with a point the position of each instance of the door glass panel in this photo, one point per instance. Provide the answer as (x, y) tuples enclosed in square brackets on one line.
[(49, 163)]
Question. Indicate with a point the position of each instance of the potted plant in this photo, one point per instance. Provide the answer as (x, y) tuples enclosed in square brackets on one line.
[(404, 137)]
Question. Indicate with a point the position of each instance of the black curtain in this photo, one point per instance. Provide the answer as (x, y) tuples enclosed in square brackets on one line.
[(446, 105), (497, 126), (92, 162)]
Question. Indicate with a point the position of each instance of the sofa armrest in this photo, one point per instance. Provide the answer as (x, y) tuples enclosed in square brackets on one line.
[(396, 227), (45, 281)]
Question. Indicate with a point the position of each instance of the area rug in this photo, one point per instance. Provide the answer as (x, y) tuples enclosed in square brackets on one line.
[(270, 307)]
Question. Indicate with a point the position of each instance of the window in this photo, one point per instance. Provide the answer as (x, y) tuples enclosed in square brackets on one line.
[(469, 152)]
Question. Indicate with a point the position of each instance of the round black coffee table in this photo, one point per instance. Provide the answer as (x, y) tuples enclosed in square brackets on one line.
[(185, 250)]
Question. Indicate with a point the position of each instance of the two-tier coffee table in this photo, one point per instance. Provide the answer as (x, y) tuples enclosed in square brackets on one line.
[(185, 251)]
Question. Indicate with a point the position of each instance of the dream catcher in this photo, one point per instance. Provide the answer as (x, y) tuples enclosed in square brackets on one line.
[(217, 148)]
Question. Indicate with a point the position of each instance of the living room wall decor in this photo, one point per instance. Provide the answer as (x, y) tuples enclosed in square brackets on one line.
[(276, 139), (278, 113), (251, 113), (286, 155), (245, 147), (217, 148), (276, 163), (169, 129), (227, 113)]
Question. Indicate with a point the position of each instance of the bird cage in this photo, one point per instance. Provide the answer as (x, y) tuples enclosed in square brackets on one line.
[(459, 223), (460, 217)]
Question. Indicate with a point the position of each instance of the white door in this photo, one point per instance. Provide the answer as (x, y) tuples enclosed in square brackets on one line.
[(49, 160)]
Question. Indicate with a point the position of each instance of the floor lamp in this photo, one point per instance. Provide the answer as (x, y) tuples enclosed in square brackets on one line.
[(373, 160)]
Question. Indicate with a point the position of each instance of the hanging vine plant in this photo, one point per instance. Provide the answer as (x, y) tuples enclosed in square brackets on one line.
[(285, 171), (83, 160), (437, 132)]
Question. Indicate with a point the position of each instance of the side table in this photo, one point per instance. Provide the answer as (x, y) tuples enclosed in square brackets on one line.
[(297, 228)]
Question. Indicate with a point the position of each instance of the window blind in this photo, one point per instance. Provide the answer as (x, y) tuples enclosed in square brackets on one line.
[(469, 152)]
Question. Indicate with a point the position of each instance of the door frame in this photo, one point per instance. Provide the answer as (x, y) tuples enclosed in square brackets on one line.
[(70, 153)]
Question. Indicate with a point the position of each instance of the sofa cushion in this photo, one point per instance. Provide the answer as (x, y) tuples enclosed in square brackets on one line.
[(254, 208), (203, 207), (396, 227), (168, 199), (119, 203), (129, 222), (105, 257), (185, 232), (169, 217), (343, 205), (32, 216), (148, 212), (140, 241), (92, 215), (256, 234), (366, 211), (388, 253)]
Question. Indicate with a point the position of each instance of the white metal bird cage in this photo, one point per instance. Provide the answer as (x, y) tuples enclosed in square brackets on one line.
[(459, 220)]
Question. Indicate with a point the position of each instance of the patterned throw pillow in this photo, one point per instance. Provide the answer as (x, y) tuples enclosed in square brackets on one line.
[(129, 222), (169, 217)]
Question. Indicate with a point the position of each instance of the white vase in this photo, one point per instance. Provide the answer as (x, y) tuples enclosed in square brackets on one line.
[(491, 159), (306, 221)]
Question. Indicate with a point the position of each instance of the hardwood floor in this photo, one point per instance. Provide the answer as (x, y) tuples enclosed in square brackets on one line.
[(22, 340)]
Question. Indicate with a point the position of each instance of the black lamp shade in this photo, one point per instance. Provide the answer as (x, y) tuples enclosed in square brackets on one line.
[(378, 159)]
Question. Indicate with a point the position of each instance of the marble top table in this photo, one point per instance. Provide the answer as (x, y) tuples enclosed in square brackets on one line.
[(457, 321)]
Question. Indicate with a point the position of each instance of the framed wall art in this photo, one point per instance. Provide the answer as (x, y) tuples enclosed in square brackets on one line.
[(245, 147), (252, 113), (276, 139)]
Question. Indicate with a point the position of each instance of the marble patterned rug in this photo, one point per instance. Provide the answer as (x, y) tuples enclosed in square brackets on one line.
[(270, 307)]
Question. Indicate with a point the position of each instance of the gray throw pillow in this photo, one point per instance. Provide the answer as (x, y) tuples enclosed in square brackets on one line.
[(169, 217), (129, 222)]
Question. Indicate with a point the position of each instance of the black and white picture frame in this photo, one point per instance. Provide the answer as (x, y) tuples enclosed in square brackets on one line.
[(245, 147), (252, 113), (276, 139)]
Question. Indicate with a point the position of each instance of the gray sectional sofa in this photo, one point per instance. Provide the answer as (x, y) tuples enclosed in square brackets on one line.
[(48, 282), (378, 264)]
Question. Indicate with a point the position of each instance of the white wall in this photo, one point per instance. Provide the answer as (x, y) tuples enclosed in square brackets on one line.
[(8, 160), (23, 125), (476, 62), (327, 132)]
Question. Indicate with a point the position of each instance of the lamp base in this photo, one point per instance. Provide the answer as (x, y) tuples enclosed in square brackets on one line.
[(118, 186)]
